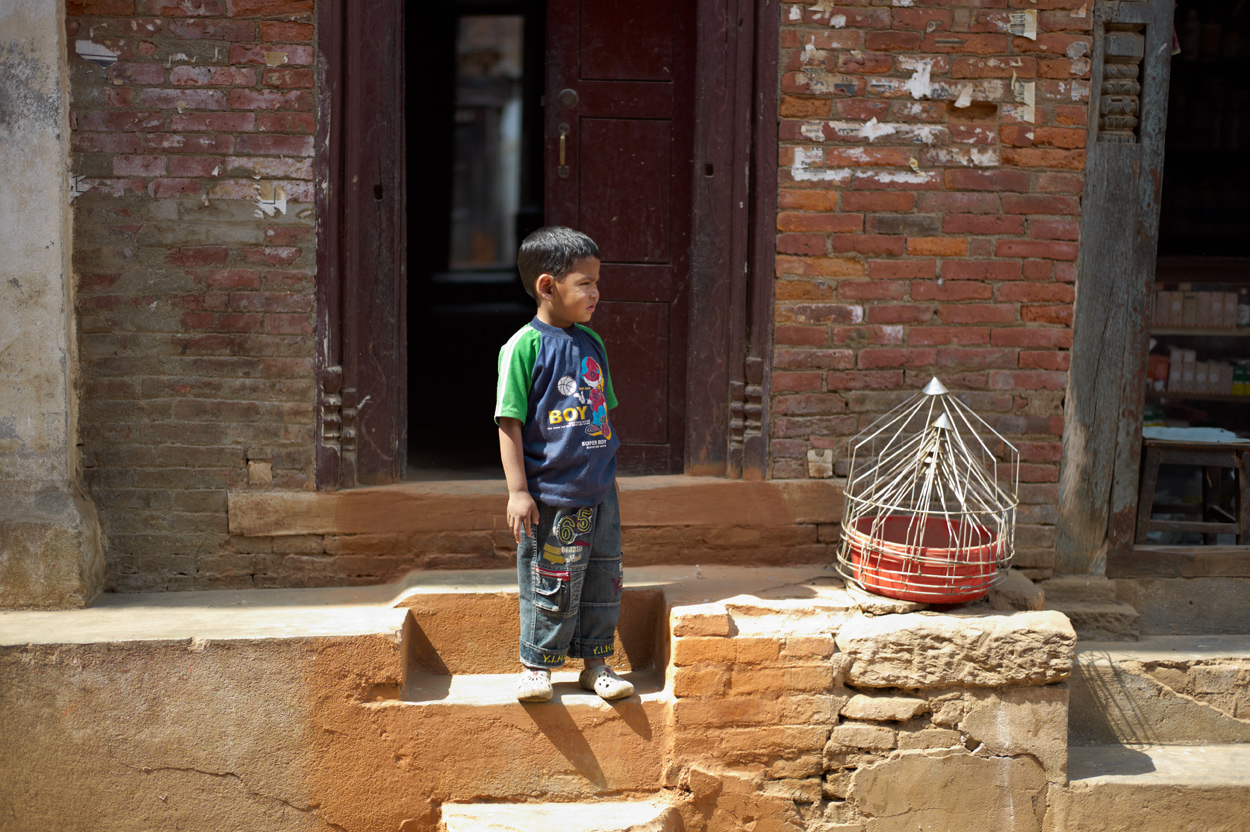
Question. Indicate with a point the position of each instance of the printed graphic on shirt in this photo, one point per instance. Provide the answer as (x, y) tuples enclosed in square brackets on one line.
[(592, 407)]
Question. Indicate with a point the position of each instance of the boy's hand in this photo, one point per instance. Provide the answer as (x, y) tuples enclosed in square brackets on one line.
[(522, 513)]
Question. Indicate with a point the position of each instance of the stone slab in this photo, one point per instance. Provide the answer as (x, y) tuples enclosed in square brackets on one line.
[(930, 650), (601, 816), (1188, 606)]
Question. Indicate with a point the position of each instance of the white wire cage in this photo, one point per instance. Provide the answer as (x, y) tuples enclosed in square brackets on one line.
[(930, 508)]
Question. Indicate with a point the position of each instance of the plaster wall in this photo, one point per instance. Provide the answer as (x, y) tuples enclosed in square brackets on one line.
[(50, 552)]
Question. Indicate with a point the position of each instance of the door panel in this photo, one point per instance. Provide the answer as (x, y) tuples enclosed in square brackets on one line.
[(625, 177), (628, 170)]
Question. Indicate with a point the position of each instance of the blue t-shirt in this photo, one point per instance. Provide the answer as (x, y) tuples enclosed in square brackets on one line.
[(556, 382)]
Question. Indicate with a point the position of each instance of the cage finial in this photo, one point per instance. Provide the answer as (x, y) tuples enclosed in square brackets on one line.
[(934, 388)]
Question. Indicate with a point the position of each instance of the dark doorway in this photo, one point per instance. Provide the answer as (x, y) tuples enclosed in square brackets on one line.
[(474, 88)]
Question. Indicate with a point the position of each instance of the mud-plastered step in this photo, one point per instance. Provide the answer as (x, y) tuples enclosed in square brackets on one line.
[(598, 816)]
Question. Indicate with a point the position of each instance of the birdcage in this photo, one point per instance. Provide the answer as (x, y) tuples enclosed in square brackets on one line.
[(930, 503)]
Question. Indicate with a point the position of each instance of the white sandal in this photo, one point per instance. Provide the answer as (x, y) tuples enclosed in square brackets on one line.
[(533, 685), (604, 681)]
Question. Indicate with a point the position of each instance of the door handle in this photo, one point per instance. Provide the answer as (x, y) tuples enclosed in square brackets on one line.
[(563, 170)]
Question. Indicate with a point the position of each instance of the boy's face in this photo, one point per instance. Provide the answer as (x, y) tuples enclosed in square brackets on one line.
[(571, 299)]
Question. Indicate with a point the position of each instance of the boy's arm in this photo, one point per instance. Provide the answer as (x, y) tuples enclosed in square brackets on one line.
[(522, 510)]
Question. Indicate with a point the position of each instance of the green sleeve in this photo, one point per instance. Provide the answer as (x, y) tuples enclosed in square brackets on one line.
[(609, 395), (516, 373)]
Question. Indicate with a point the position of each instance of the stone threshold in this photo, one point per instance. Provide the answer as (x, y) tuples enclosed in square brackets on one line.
[(462, 505)]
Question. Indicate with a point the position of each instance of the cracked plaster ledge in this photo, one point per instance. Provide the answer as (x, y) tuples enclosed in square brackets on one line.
[(1171, 765), (1165, 649)]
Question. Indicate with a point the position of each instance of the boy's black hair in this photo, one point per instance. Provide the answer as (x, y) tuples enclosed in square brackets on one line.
[(552, 250)]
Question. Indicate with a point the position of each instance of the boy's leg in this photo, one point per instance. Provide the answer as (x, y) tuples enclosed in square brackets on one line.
[(551, 565), (595, 635)]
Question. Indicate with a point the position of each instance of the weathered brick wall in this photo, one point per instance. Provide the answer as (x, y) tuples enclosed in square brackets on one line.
[(927, 225), (194, 253)]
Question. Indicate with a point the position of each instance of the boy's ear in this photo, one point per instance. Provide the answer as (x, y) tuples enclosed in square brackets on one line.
[(543, 284)]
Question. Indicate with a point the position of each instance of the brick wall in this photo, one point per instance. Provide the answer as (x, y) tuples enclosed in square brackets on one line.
[(194, 251), (927, 224)]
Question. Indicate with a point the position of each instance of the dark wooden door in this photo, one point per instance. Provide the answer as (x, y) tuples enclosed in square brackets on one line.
[(619, 101)]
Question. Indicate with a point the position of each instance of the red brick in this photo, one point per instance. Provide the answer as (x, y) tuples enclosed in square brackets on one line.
[(274, 145), (867, 244), (163, 99), (1044, 157), (277, 31), (1059, 137), (183, 8), (980, 357), (270, 8), (801, 244), (790, 199), (987, 180), (794, 107), (940, 335), (893, 41), (1052, 249), (879, 201), (921, 19), (1040, 204), (865, 380), (1054, 43), (271, 100), (893, 157), (867, 63), (1039, 360), (981, 224), (819, 313), (213, 322), (193, 256), (858, 109), (291, 54), (796, 382), (972, 134), (1032, 337), (900, 313), (194, 166), (822, 359), (131, 143), (803, 290), (191, 143), (809, 336), (880, 358), (1054, 229), (1035, 292), (288, 235), (893, 181), (937, 246), (997, 67), (1027, 380), (133, 73), (288, 325), (213, 122), (872, 290), (1060, 183), (819, 266), (978, 313), (139, 165), (901, 269), (113, 120), (959, 203), (213, 30), (981, 270), (1039, 269), (969, 44), (1072, 115), (823, 222), (286, 122), (233, 279), (270, 302), (95, 8), (271, 256), (1016, 135), (289, 78), (212, 76), (1061, 314), (952, 291), (857, 17)]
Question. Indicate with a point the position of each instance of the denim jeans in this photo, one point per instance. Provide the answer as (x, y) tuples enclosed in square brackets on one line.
[(569, 576)]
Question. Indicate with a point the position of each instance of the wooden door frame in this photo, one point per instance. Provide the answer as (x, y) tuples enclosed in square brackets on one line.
[(733, 251), (1115, 279)]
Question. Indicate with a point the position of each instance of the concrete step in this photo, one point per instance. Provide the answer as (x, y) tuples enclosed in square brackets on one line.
[(605, 816), (1182, 690), (1099, 621), (1154, 789), (1089, 589)]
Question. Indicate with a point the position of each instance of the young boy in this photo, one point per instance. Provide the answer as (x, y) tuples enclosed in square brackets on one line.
[(559, 455)]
